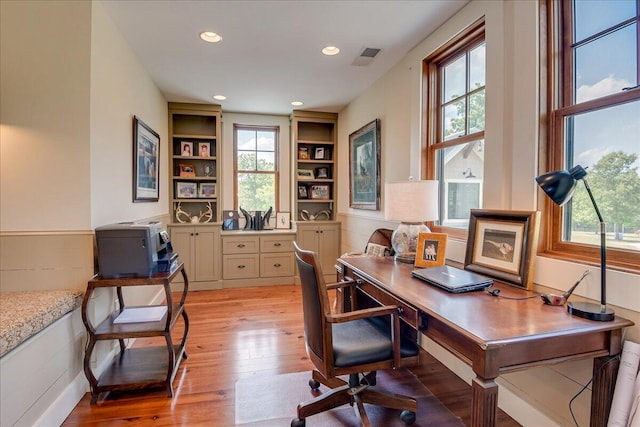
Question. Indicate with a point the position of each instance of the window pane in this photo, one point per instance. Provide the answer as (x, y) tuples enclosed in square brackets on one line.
[(477, 67), (593, 16), (460, 170), (606, 65), (246, 139), (256, 192), (266, 141), (454, 79), (454, 119), (476, 112), (266, 161), (607, 141), (247, 160)]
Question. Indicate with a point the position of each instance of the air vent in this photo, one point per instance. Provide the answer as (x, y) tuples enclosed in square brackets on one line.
[(366, 56)]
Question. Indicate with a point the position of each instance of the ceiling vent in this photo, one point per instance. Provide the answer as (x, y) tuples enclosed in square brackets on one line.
[(366, 56)]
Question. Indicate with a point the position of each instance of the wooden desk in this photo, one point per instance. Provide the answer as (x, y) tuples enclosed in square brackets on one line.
[(494, 335)]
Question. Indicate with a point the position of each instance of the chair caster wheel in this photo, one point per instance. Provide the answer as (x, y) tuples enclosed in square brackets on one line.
[(314, 385), (407, 417), (297, 422)]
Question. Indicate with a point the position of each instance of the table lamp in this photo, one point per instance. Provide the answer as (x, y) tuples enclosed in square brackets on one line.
[(559, 186), (412, 203)]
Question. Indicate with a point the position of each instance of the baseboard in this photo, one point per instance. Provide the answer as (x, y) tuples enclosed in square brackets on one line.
[(65, 403)]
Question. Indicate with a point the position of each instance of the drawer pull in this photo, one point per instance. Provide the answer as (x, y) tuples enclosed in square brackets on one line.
[(277, 264), (241, 266), (241, 245), (277, 245)]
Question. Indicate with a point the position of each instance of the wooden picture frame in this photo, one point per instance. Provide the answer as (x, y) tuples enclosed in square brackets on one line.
[(303, 152), (186, 148), (306, 174), (322, 173), (204, 149), (319, 153), (187, 170), (146, 165), (502, 244), (283, 220), (364, 167), (431, 249), (320, 192), (303, 191), (207, 190), (186, 190)]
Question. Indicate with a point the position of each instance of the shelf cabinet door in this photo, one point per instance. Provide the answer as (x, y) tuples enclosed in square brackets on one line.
[(323, 239), (207, 259)]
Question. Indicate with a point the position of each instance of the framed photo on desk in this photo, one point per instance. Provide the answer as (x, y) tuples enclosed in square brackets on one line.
[(431, 249)]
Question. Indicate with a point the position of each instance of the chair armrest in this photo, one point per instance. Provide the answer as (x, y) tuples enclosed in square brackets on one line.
[(343, 284)]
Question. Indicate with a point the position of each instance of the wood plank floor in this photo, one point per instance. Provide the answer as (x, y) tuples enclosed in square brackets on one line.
[(236, 333)]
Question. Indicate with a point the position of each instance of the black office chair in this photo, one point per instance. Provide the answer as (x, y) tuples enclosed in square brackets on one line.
[(351, 344)]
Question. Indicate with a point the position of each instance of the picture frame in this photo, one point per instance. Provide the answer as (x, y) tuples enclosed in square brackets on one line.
[(322, 173), (502, 245), (186, 190), (306, 174), (283, 220), (364, 167), (186, 148), (319, 153), (207, 190), (187, 170), (230, 220), (303, 152), (204, 149), (431, 249), (146, 165), (320, 192), (303, 191)]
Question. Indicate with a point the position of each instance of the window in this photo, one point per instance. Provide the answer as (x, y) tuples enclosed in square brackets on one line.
[(454, 78), (256, 167), (594, 122)]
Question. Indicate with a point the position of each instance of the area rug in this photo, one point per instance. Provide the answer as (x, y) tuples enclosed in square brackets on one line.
[(271, 400)]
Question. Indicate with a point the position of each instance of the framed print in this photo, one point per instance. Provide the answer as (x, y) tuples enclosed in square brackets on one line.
[(207, 189), (186, 148), (319, 191), (318, 153), (303, 152), (501, 245), (322, 173), (431, 249), (303, 191), (305, 174), (364, 167), (146, 171), (230, 220), (186, 190), (187, 170), (204, 149), (283, 220)]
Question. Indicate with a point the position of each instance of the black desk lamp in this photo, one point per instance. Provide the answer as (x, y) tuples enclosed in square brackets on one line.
[(559, 186)]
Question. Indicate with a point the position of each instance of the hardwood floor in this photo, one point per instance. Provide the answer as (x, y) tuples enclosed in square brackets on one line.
[(236, 333)]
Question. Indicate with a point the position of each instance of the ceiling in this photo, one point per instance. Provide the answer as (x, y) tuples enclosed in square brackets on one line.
[(270, 54)]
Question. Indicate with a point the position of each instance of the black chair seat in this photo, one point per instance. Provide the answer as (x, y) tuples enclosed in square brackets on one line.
[(366, 341)]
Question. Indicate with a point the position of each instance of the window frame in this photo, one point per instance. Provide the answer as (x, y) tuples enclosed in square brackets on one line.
[(276, 152), (557, 26), (433, 138)]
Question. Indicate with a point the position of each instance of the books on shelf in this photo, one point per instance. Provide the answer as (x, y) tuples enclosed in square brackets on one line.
[(141, 314)]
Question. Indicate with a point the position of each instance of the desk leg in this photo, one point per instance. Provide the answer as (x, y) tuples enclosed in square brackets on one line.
[(605, 370), (485, 402)]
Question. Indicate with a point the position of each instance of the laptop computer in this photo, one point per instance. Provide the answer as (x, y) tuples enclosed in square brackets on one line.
[(453, 279)]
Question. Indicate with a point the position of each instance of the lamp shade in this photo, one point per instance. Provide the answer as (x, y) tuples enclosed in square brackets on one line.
[(560, 185), (411, 201)]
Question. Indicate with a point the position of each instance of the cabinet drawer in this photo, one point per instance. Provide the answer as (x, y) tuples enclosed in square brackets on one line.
[(240, 266), (276, 244), (407, 313), (276, 265), (240, 245)]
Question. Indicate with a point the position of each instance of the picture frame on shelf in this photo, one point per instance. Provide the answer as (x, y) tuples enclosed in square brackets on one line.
[(501, 244), (207, 189), (306, 174), (322, 173), (283, 220), (204, 149), (319, 153), (303, 191), (146, 170), (303, 152), (187, 170), (186, 190), (364, 167), (320, 192), (431, 249), (186, 148)]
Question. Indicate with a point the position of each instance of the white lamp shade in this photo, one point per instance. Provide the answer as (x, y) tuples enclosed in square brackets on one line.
[(411, 201)]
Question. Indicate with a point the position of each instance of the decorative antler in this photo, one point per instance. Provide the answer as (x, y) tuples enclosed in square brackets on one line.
[(208, 214), (180, 213)]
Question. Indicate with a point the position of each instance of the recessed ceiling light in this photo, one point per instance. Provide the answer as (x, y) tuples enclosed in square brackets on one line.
[(210, 37), (219, 97), (330, 50), (297, 103)]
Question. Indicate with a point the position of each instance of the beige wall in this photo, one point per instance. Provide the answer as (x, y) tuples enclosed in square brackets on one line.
[(511, 163)]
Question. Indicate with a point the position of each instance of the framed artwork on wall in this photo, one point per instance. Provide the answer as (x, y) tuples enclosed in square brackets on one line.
[(146, 171), (364, 167)]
